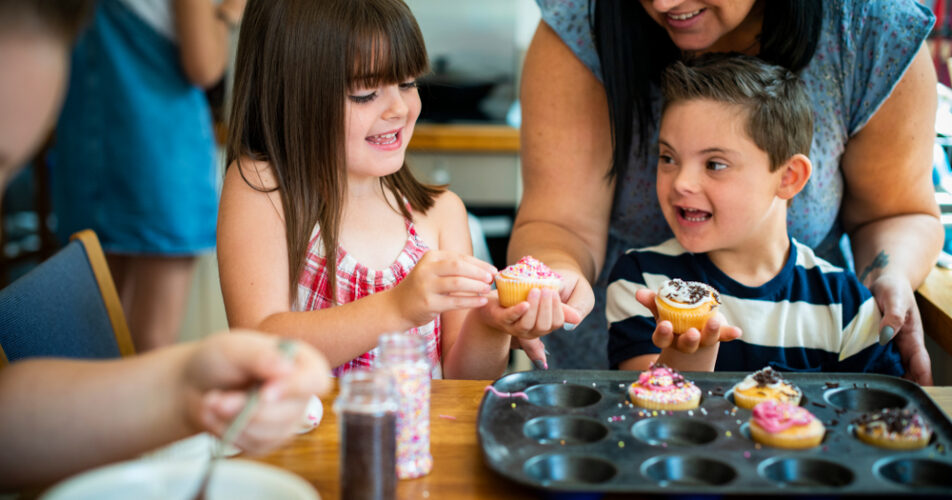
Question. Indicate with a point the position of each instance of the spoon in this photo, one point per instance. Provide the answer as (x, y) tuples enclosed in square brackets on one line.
[(287, 348)]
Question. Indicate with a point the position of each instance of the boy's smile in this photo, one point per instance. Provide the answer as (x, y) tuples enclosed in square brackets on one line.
[(715, 186)]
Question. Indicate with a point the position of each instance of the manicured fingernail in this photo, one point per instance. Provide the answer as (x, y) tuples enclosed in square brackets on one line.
[(539, 364), (569, 326), (886, 334)]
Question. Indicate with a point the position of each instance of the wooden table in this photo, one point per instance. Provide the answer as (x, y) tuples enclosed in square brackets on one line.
[(458, 470)]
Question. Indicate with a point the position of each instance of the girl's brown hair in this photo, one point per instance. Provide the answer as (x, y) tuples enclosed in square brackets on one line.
[(296, 62)]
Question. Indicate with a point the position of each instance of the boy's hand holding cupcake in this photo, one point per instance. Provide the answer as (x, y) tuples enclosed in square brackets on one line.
[(689, 326)]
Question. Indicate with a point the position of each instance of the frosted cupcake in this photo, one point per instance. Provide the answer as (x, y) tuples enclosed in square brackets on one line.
[(784, 425), (763, 385), (686, 304), (664, 388), (893, 428), (514, 282)]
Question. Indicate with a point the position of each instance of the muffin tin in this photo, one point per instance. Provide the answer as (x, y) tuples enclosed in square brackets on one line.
[(576, 433)]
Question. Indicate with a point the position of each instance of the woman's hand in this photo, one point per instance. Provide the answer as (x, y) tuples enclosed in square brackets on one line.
[(541, 313), (442, 281), (901, 318), (577, 294), (716, 330), (223, 367)]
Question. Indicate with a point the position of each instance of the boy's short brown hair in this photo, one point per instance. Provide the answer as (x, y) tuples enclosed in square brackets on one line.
[(779, 114)]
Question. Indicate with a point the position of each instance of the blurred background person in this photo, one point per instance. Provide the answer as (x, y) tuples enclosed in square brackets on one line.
[(134, 153)]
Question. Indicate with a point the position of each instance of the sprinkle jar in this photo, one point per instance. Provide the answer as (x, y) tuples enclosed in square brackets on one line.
[(403, 358)]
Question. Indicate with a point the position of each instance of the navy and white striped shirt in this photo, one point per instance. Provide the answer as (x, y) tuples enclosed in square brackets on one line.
[(812, 316)]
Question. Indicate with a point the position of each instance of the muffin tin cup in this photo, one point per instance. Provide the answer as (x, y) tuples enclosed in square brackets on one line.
[(576, 432)]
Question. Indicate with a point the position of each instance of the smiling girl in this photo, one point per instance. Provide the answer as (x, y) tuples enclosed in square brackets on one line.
[(324, 235)]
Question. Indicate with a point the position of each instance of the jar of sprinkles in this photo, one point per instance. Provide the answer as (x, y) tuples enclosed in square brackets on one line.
[(403, 357)]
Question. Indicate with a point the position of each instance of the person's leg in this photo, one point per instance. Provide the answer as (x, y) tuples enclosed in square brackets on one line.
[(160, 289), (118, 268)]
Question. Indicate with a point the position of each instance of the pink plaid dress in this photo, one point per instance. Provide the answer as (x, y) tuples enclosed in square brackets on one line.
[(354, 281)]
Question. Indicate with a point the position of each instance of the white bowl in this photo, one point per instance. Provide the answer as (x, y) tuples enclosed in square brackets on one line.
[(233, 479)]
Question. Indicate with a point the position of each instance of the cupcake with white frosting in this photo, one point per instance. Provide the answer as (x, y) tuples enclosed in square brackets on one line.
[(686, 304), (765, 385)]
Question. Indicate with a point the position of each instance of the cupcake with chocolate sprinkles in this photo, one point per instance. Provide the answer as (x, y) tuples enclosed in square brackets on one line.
[(893, 428), (686, 304), (765, 384)]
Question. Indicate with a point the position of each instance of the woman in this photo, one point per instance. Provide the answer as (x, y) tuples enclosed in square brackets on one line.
[(590, 105), (134, 151)]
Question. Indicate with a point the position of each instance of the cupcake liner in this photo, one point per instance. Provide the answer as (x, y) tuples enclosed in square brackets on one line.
[(794, 438), (514, 291), (749, 401), (683, 319)]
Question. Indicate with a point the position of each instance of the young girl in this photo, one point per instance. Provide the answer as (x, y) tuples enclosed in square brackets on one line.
[(325, 103)]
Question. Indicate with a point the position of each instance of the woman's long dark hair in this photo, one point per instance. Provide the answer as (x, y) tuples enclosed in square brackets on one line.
[(633, 51), (296, 62)]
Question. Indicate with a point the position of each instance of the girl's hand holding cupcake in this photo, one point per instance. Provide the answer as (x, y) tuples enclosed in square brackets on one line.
[(542, 312), (442, 281)]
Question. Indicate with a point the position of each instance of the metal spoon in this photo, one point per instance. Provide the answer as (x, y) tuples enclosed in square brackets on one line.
[(287, 348)]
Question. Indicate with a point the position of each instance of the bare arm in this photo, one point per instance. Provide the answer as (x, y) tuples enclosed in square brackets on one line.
[(566, 153), (889, 204), (253, 266), (203, 37), (63, 416), (889, 207), (471, 349)]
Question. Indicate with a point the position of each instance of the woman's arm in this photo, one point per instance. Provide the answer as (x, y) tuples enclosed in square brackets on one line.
[(889, 207), (566, 153), (202, 29)]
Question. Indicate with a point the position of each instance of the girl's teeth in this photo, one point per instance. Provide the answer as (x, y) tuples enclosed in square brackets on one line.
[(685, 16), (383, 139)]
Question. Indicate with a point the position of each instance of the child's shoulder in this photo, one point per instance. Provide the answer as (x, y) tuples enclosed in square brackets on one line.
[(445, 223), (256, 174), (447, 206)]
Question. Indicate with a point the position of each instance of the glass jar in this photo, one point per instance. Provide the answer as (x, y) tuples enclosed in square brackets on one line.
[(403, 357), (366, 413)]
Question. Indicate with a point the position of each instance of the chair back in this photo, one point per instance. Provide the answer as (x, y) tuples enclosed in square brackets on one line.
[(65, 307)]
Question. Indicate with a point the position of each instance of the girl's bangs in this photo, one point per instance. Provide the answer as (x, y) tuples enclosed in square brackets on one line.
[(394, 54)]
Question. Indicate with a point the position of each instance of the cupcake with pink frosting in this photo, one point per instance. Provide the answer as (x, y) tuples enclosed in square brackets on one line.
[(514, 282), (785, 425), (663, 388)]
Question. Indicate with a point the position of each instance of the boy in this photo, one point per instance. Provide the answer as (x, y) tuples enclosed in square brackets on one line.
[(732, 151)]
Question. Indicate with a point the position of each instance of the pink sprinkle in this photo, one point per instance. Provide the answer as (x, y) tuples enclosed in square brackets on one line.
[(448, 417), (507, 394), (746, 454)]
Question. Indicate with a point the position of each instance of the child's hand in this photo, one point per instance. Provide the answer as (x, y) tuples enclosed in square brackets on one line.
[(542, 312), (442, 281), (716, 330)]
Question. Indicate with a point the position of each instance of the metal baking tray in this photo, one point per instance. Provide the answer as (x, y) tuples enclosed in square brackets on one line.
[(576, 434)]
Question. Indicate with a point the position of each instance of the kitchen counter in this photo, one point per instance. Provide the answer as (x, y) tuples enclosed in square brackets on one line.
[(464, 138)]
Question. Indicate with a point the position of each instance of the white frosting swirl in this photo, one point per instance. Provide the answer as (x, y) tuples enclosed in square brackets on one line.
[(687, 294)]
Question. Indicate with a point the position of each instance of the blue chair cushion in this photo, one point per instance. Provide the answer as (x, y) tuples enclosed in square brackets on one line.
[(57, 310)]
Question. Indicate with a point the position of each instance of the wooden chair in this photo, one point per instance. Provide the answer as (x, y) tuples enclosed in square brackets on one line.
[(65, 307)]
